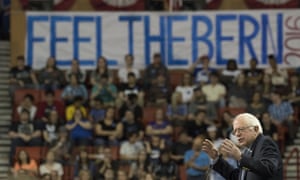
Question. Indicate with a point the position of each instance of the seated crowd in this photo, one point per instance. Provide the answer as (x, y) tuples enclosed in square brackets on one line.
[(95, 111)]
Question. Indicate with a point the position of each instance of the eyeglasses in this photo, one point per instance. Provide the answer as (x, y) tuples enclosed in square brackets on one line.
[(241, 129)]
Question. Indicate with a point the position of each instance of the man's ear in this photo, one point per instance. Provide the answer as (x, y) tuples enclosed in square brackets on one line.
[(256, 128)]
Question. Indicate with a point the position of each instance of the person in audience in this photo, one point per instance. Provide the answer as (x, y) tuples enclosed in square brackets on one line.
[(83, 163), (197, 125), (46, 177), (160, 127), (201, 71), (51, 167), (122, 175), (49, 104), (187, 5), (51, 77), (105, 90), (153, 149), (109, 131), (97, 111), (107, 164), (129, 68), (28, 104), (109, 174), (186, 88), (215, 93), (226, 124), (166, 168), (257, 106), (265, 88), (230, 73), (22, 76), (130, 149), (294, 90), (154, 5), (282, 114), (198, 102), (80, 129), (141, 168), (279, 76), (239, 92), (84, 175), (24, 133), (101, 69), (197, 162), (61, 147), (24, 164), (131, 87), (77, 104), (153, 70), (183, 144), (50, 130), (132, 105), (214, 135), (269, 127), (131, 125), (177, 111), (74, 89), (75, 70), (253, 74), (160, 92), (98, 156)]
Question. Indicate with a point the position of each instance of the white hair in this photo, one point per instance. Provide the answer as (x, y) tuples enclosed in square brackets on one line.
[(250, 120)]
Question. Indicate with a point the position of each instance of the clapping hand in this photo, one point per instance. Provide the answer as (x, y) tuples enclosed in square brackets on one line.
[(231, 149), (209, 148)]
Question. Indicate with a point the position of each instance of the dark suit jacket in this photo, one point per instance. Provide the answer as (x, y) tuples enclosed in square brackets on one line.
[(263, 163)]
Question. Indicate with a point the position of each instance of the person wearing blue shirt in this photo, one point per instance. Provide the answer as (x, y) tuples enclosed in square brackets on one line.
[(282, 113), (80, 129), (201, 70), (74, 89), (197, 162)]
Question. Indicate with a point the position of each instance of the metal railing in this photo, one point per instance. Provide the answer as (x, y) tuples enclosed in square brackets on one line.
[(295, 151)]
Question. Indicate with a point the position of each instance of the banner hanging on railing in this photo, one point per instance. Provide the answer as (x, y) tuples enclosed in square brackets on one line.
[(179, 37)]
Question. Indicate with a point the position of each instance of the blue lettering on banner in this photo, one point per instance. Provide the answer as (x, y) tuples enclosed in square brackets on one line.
[(172, 39), (131, 20), (209, 32), (246, 40), (203, 38), (279, 37), (220, 19), (160, 38), (54, 39), (77, 39), (31, 39), (98, 37)]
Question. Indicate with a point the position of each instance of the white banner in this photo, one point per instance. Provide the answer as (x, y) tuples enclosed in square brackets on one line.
[(180, 37)]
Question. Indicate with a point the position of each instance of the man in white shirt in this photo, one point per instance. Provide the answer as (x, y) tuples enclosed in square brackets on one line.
[(131, 148), (123, 72), (215, 93)]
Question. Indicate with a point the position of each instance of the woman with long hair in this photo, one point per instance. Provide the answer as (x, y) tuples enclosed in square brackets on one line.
[(24, 165)]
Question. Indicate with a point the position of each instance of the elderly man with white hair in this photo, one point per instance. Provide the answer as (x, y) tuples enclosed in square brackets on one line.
[(258, 156)]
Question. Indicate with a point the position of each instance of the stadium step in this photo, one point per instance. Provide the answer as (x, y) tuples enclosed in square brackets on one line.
[(5, 109), (291, 168)]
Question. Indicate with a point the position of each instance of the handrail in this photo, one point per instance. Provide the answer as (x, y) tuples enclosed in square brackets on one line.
[(293, 151)]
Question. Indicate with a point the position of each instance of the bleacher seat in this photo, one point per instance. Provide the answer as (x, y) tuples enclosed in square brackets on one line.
[(182, 172), (57, 95), (20, 93), (37, 153), (68, 173), (148, 114), (176, 77)]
